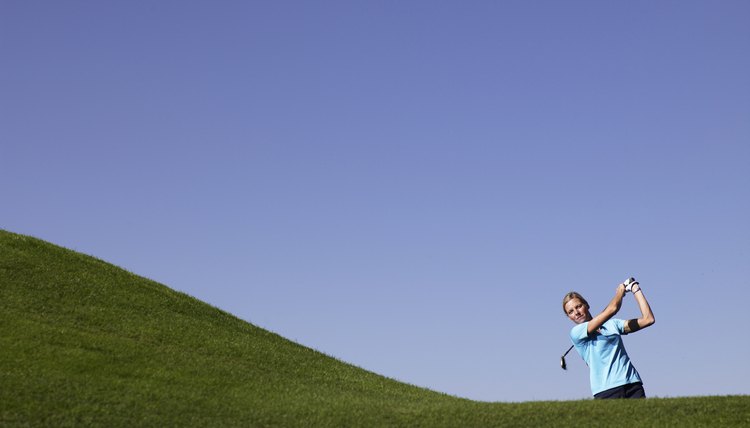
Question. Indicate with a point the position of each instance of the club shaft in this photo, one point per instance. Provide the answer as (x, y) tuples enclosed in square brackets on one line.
[(566, 352)]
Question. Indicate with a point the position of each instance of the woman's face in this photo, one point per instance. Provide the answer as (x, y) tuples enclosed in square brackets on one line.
[(577, 311)]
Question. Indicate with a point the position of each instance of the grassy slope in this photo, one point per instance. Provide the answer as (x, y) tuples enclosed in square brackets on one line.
[(84, 342)]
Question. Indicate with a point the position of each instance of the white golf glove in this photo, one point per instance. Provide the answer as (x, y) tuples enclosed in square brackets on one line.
[(629, 283)]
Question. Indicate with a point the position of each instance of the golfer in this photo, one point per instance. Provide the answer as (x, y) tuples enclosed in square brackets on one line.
[(597, 340)]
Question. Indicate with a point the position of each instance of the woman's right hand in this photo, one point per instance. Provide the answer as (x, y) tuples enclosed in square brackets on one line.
[(621, 289)]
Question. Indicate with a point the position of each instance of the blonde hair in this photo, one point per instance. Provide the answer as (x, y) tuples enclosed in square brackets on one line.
[(574, 295)]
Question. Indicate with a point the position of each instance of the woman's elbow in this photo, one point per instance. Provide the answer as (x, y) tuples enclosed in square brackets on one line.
[(649, 321)]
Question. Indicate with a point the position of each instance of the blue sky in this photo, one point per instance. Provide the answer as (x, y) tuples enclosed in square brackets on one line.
[(410, 187)]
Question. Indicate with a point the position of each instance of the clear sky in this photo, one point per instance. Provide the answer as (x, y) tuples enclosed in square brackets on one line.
[(408, 186)]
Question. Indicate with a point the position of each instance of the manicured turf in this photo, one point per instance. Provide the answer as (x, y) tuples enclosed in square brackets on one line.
[(83, 342)]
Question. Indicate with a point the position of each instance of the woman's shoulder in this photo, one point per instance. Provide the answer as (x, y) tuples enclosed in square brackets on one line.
[(614, 325), (579, 332)]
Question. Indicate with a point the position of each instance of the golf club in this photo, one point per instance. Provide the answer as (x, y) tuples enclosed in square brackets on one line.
[(562, 359)]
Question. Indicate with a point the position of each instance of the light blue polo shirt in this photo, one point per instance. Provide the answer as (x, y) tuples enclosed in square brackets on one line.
[(603, 351)]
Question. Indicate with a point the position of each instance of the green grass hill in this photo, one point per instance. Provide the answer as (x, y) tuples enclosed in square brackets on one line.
[(86, 343)]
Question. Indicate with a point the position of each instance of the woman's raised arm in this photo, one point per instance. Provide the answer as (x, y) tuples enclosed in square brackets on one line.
[(608, 312), (647, 316)]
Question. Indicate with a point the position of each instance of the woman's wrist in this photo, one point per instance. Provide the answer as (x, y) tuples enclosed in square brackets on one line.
[(639, 289)]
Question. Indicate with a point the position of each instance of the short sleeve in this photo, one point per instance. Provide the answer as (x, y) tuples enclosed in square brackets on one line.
[(619, 325), (579, 332)]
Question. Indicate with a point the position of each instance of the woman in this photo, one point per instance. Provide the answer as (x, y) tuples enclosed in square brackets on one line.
[(597, 339)]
